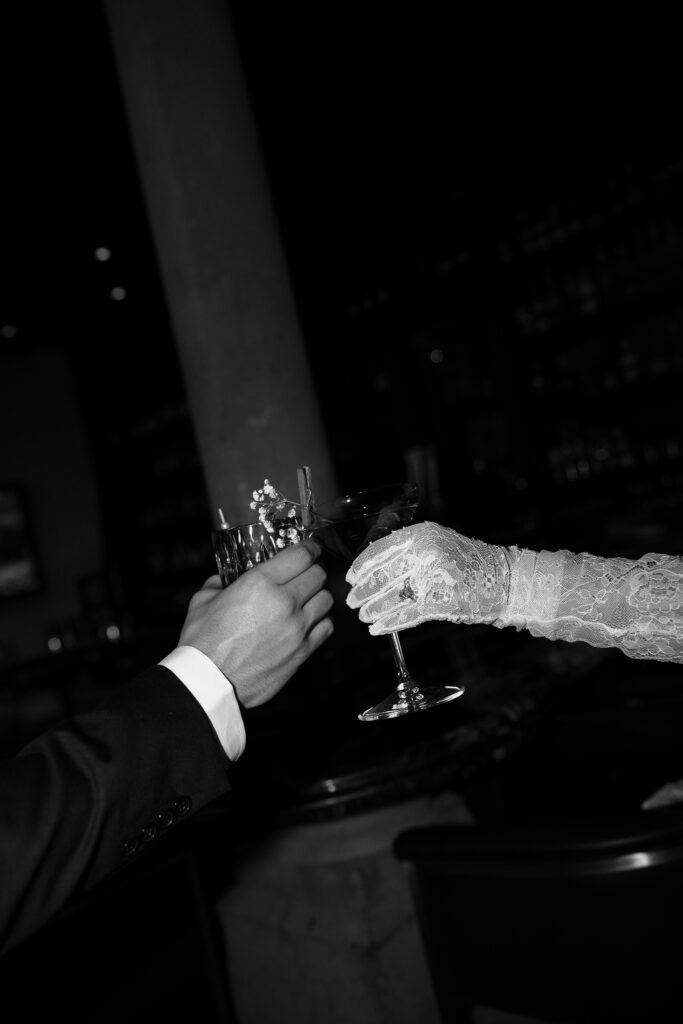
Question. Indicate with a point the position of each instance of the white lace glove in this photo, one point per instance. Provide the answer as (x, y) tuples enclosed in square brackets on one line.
[(635, 605), (426, 572)]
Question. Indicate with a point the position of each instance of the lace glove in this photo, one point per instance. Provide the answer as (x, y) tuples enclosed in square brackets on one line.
[(425, 572), (635, 605)]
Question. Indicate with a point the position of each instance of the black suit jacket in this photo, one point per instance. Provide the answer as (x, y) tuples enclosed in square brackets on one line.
[(88, 797)]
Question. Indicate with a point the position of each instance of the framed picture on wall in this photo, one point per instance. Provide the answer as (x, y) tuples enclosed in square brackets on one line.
[(19, 567)]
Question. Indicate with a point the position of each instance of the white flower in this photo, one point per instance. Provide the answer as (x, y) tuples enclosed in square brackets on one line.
[(272, 508)]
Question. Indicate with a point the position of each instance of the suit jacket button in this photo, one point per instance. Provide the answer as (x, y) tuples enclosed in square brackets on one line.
[(149, 832), (165, 818), (130, 847), (182, 806)]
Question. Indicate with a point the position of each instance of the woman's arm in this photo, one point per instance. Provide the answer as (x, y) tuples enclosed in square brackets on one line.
[(430, 572)]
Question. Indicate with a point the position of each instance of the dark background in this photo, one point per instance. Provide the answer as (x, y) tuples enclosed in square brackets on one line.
[(483, 218), (497, 189)]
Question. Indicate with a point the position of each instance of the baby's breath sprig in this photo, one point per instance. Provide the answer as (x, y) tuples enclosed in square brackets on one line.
[(274, 511)]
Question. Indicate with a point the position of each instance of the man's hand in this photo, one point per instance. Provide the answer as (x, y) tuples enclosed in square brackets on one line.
[(260, 629)]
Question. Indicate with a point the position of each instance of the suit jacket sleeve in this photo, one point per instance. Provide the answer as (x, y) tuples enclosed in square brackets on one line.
[(79, 802)]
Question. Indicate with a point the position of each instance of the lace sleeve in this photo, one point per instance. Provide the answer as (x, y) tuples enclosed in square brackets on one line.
[(636, 606)]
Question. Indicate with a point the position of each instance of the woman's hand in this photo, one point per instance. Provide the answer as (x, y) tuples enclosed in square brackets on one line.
[(427, 572)]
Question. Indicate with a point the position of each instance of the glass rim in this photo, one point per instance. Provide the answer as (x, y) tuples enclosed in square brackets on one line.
[(241, 526), (367, 490)]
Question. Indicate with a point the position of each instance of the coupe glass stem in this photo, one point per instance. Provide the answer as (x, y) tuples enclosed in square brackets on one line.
[(347, 525), (404, 676)]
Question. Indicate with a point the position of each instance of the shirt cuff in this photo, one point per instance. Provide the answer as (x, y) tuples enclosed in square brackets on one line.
[(215, 693)]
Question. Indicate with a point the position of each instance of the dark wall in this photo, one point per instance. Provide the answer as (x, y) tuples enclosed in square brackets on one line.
[(45, 453), (483, 211)]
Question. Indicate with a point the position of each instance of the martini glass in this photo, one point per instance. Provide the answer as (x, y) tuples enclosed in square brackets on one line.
[(345, 526)]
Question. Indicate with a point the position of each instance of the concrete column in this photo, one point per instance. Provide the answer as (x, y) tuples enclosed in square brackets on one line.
[(248, 381), (320, 926)]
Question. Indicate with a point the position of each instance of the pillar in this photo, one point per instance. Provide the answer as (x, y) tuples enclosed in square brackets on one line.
[(249, 385)]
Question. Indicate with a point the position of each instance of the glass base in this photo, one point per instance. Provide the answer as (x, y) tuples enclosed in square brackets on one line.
[(412, 698)]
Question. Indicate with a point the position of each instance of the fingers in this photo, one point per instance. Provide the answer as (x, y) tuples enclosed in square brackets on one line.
[(212, 583), (317, 608), (308, 583), (375, 586), (379, 574), (389, 625), (383, 604), (381, 557), (209, 588), (397, 619), (378, 553), (291, 562), (321, 632), (390, 611)]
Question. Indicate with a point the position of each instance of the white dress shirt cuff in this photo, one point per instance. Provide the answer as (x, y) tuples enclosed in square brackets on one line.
[(215, 693)]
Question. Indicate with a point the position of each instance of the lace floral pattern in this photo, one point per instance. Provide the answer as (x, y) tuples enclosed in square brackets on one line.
[(636, 606), (428, 572)]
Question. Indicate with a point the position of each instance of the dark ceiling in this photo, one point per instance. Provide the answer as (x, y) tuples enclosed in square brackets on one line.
[(381, 125)]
